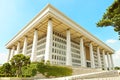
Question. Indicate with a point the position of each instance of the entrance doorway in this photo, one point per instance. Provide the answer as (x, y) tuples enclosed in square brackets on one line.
[(88, 64)]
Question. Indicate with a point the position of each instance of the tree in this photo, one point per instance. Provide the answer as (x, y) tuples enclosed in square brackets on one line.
[(6, 69), (117, 68), (111, 17), (31, 70), (1, 70), (18, 61), (41, 67)]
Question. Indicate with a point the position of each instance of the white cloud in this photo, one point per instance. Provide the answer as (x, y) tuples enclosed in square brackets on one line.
[(111, 41), (3, 58), (116, 58)]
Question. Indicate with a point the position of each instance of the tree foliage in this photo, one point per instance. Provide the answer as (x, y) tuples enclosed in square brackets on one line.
[(111, 17), (30, 70), (1, 70), (18, 61), (6, 69), (117, 68), (41, 67)]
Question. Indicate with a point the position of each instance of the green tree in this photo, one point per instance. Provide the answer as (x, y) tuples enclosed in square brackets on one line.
[(6, 69), (41, 67), (1, 70), (111, 17), (18, 61), (117, 68), (31, 70)]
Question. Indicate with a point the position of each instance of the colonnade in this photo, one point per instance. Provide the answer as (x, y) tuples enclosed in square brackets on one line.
[(48, 49)]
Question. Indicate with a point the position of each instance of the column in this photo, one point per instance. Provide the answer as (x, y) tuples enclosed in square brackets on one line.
[(108, 59), (34, 46), (68, 50), (9, 54), (104, 60), (82, 53), (48, 49), (112, 64), (25, 46), (99, 57), (18, 48), (92, 56), (12, 52)]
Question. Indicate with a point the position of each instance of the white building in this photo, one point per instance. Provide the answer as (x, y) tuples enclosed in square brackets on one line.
[(53, 36)]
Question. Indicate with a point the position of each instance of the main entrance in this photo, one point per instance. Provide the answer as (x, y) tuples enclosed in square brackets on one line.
[(88, 64)]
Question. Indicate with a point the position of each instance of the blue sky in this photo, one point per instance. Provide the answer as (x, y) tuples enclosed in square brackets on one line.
[(15, 14)]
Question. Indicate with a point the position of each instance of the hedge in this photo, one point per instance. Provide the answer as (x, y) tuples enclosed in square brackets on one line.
[(53, 71)]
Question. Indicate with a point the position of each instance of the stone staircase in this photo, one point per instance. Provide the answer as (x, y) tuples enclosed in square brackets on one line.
[(94, 73), (80, 70), (102, 74)]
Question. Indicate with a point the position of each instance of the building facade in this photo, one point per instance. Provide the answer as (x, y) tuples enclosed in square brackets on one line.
[(53, 36)]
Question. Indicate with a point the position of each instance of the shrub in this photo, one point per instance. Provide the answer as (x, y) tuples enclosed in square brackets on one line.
[(1, 70), (117, 68), (2, 75), (30, 70), (55, 71), (41, 68), (7, 69), (58, 71)]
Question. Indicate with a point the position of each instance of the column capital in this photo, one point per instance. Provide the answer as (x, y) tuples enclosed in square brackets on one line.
[(50, 18), (25, 36), (68, 29), (35, 29), (81, 37), (98, 46), (13, 47), (107, 52), (103, 50), (90, 43), (19, 42)]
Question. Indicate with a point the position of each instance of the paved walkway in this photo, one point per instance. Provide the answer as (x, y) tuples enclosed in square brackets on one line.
[(109, 78)]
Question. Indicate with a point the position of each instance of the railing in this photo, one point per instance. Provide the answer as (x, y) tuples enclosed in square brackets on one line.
[(81, 77)]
